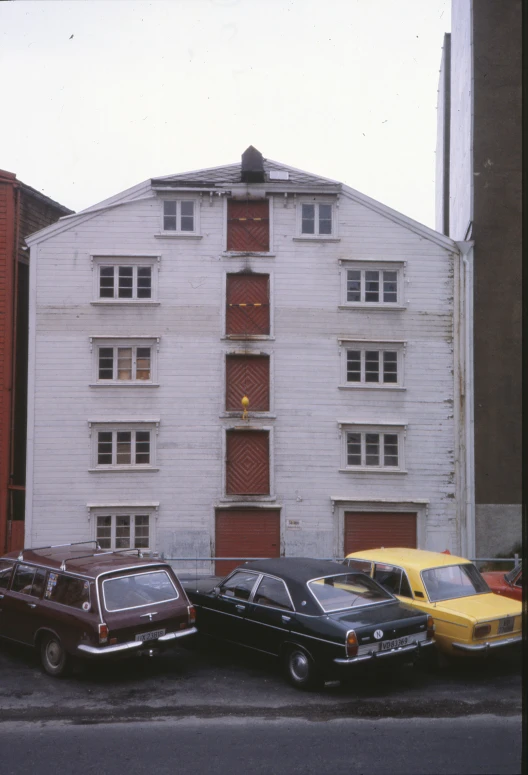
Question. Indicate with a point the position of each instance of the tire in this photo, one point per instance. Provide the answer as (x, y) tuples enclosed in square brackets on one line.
[(54, 659), (301, 671)]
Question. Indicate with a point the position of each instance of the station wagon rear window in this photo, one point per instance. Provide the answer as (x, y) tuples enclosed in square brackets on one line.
[(335, 593), (137, 590), (451, 581)]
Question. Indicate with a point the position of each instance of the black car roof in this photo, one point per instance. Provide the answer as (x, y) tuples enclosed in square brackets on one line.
[(296, 571)]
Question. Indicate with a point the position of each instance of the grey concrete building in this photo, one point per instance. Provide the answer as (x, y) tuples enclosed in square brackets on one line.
[(478, 200)]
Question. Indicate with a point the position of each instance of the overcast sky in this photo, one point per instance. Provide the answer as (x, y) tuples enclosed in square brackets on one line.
[(98, 95)]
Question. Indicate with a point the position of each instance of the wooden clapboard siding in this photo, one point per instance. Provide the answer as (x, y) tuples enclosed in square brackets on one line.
[(247, 375), (245, 533), (371, 531)]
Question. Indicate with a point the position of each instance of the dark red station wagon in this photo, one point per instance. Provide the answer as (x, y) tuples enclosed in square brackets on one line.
[(75, 600)]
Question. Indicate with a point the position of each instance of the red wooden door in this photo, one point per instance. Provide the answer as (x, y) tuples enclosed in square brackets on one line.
[(247, 312), (373, 530), (246, 533), (248, 225), (247, 375), (247, 463)]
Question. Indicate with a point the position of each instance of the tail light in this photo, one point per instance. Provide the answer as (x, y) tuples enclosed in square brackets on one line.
[(192, 614), (481, 630), (430, 626), (103, 633), (351, 644)]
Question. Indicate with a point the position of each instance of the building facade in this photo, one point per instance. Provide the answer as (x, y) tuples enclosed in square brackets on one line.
[(23, 210), (245, 361), (479, 200)]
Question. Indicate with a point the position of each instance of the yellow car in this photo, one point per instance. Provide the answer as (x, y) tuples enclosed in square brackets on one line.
[(468, 617)]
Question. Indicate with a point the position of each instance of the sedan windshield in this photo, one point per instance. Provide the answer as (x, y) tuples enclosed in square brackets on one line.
[(138, 590), (453, 581), (350, 590)]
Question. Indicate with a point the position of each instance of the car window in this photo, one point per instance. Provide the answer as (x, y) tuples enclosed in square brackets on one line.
[(393, 579), (5, 573), (68, 590), (349, 590), (518, 581), (365, 566), (29, 580), (273, 592), (453, 581), (240, 585), (138, 589)]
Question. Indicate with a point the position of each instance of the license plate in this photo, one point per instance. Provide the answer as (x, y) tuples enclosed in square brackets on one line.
[(154, 635), (397, 643), (506, 625)]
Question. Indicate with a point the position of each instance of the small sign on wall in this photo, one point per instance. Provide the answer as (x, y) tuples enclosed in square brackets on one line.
[(293, 524)]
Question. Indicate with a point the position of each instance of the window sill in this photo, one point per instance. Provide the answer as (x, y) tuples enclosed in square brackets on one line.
[(251, 415), (125, 303), (122, 469), (372, 470), (246, 254), (373, 307), (371, 387), (124, 384), (248, 337), (178, 235), (248, 499), (316, 238)]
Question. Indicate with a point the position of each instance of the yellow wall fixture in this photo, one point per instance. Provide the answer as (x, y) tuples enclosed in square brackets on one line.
[(245, 403)]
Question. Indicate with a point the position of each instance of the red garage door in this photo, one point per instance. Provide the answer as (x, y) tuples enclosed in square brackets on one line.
[(364, 530), (246, 533)]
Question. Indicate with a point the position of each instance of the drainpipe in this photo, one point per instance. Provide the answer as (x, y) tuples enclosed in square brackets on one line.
[(466, 251)]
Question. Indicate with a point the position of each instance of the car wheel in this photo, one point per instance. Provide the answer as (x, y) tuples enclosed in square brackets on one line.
[(55, 660), (301, 671)]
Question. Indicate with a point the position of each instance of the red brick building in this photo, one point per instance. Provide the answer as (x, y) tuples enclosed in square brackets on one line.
[(22, 212)]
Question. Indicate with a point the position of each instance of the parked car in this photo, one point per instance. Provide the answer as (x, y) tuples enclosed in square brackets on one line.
[(469, 618), (77, 600), (505, 584), (318, 618)]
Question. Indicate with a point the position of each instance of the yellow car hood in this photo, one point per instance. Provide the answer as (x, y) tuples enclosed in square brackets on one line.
[(481, 607)]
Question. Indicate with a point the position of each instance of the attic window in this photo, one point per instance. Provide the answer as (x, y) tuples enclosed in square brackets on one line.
[(279, 175)]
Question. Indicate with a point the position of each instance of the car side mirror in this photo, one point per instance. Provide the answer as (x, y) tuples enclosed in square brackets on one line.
[(216, 591)]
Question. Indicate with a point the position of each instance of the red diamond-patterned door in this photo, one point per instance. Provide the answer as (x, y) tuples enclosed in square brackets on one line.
[(247, 375), (247, 463), (248, 225), (248, 309)]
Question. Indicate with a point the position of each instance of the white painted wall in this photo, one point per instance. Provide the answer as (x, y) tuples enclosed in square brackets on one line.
[(189, 400)]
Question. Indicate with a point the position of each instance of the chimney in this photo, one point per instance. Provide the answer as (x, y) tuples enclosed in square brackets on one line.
[(252, 166)]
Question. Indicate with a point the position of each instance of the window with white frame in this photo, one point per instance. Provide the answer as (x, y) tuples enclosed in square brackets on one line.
[(373, 448), (373, 286), (125, 361), (317, 219), (180, 216), (123, 446), (124, 280), (123, 530), (370, 364)]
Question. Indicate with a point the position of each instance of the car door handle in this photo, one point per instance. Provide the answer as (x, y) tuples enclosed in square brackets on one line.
[(240, 607), (32, 605), (286, 619)]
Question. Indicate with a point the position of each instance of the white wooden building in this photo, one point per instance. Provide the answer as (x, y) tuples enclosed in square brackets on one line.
[(154, 313)]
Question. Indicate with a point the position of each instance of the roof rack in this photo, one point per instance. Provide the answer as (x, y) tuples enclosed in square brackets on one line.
[(56, 546), (100, 554)]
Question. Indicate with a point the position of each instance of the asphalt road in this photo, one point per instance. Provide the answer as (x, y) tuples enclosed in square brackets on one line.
[(475, 744)]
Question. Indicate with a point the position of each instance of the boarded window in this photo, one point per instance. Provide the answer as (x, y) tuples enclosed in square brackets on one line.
[(248, 225), (247, 463), (373, 530), (247, 375), (248, 311), (246, 533)]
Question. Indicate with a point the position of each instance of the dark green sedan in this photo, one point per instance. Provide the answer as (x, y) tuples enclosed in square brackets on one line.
[(319, 618)]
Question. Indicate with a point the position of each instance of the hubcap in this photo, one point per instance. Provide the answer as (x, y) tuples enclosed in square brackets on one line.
[(53, 653), (299, 666)]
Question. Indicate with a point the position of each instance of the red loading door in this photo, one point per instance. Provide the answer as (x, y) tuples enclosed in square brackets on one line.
[(248, 225), (246, 533), (247, 375), (372, 530), (247, 463), (247, 298)]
